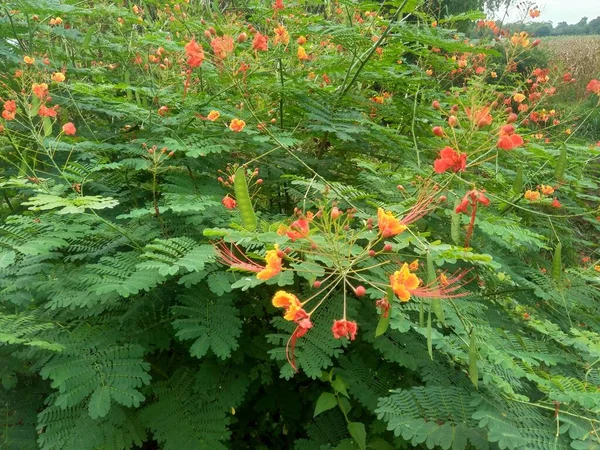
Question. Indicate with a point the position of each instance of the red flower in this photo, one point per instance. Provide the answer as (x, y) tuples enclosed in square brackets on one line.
[(69, 129), (195, 54), (508, 139), (228, 202), (450, 159), (260, 42), (44, 111), (594, 87), (556, 203), (344, 328), (298, 229), (278, 5), (222, 46), (10, 106)]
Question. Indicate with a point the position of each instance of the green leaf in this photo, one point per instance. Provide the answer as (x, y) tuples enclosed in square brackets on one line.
[(7, 258), (339, 386), (358, 433), (99, 403), (325, 402)]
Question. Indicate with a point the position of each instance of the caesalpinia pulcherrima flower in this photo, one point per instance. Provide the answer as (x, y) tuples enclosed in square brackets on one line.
[(508, 139), (69, 129), (229, 202), (388, 224), (222, 46), (344, 328), (237, 125), (194, 53), (281, 35), (10, 110), (259, 43), (405, 284), (273, 264), (450, 159)]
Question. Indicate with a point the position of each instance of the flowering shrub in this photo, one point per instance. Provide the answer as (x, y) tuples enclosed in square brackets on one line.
[(288, 226)]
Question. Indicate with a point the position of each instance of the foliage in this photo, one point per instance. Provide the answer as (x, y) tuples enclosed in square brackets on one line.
[(364, 232)]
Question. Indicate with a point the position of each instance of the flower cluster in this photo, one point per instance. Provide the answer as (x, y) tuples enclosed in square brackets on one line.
[(313, 238)]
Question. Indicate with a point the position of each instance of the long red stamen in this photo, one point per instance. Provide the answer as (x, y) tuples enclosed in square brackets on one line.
[(421, 208), (448, 289), (291, 346), (226, 256)]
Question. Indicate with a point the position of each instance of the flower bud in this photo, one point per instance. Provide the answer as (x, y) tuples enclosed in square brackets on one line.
[(438, 131), (360, 291)]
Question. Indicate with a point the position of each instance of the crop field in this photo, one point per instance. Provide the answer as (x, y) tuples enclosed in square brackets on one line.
[(580, 55)]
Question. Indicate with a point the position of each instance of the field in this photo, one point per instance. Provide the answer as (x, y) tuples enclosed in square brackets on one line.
[(579, 55)]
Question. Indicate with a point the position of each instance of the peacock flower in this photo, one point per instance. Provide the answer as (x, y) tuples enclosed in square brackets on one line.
[(273, 265), (222, 46), (260, 42), (532, 196), (302, 55), (388, 224), (28, 60), (518, 97), (298, 229), (40, 90), (213, 115), (278, 5), (195, 54), (290, 302), (69, 129), (228, 202), (344, 328), (508, 139), (546, 190), (403, 282), (450, 159), (58, 77), (237, 125), (281, 35)]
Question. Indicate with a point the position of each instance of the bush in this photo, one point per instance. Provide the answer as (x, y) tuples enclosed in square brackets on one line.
[(271, 226)]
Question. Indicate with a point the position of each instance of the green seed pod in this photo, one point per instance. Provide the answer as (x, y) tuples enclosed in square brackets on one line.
[(561, 163), (557, 262), (473, 373), (244, 203), (455, 224), (518, 183)]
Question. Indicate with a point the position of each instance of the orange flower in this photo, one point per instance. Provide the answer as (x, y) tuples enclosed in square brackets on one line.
[(56, 21), (28, 60), (229, 202), (344, 328), (388, 224), (8, 115), (278, 5), (546, 190), (302, 56), (532, 196), (58, 77), (519, 97), (298, 229), (69, 129), (403, 281), (555, 203), (414, 265), (222, 46), (290, 302), (281, 35), (213, 115), (534, 12), (44, 111), (195, 54), (40, 90), (301, 40), (260, 42), (273, 265), (163, 110), (237, 125), (10, 105)]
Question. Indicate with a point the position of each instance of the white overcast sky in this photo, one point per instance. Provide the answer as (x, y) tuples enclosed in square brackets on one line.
[(570, 11)]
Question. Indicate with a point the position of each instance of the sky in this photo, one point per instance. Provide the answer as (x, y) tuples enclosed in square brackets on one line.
[(570, 11)]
